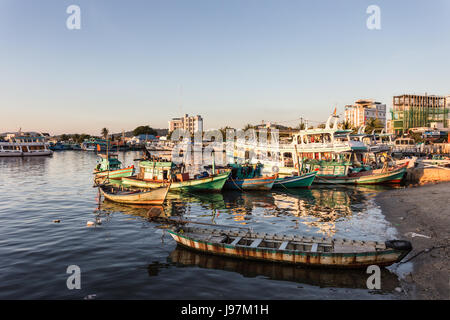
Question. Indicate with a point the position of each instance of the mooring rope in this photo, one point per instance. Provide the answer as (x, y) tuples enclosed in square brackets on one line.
[(424, 250)]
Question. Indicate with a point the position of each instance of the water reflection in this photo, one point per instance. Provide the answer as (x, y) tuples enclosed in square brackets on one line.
[(320, 209), (356, 279)]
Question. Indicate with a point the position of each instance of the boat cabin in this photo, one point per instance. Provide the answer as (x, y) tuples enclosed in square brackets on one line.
[(108, 162), (157, 170)]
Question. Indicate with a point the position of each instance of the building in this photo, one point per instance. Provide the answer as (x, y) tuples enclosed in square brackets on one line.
[(418, 111), (190, 123), (363, 110)]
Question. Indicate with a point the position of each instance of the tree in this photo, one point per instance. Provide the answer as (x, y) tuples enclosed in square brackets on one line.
[(105, 133), (301, 126), (248, 126), (346, 125), (373, 124), (144, 130)]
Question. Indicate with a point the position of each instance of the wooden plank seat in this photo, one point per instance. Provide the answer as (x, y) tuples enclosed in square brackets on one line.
[(284, 245), (256, 243), (236, 241)]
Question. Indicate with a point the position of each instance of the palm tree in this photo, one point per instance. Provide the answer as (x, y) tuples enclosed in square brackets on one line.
[(105, 133), (346, 125), (373, 124)]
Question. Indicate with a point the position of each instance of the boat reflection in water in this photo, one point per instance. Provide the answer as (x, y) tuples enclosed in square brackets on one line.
[(275, 271)]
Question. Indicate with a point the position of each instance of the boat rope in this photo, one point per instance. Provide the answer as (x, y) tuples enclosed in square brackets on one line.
[(236, 184), (424, 250)]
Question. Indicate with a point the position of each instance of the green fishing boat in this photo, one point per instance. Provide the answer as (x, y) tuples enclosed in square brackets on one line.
[(154, 174), (301, 181), (109, 166)]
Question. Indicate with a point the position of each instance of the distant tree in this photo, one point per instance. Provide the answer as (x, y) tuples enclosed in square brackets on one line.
[(64, 137), (321, 126), (105, 133), (248, 126), (373, 124), (301, 126), (346, 125), (144, 130)]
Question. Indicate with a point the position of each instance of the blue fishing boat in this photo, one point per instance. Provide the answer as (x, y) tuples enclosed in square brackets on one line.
[(249, 177)]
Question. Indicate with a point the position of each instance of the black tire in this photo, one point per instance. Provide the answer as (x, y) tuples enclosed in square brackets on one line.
[(399, 245)]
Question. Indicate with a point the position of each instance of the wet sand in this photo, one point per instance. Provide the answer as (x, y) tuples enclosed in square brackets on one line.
[(424, 210)]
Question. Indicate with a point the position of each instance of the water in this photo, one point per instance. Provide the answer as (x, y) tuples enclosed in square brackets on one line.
[(130, 257)]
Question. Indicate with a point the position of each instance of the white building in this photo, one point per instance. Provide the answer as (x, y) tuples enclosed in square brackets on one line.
[(192, 124), (363, 110)]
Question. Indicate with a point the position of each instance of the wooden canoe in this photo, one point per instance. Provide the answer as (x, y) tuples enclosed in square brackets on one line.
[(129, 196), (311, 251)]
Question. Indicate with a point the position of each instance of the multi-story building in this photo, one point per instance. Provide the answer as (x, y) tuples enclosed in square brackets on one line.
[(363, 110), (419, 111), (192, 124)]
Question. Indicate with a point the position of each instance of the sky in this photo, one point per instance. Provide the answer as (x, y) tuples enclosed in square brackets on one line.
[(232, 61)]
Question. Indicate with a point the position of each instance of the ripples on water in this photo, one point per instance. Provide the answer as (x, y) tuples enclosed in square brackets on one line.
[(128, 256)]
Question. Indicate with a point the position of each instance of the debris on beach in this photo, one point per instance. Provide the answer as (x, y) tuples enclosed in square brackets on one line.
[(413, 234)]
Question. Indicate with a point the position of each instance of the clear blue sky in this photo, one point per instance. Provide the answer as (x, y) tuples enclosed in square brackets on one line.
[(232, 61)]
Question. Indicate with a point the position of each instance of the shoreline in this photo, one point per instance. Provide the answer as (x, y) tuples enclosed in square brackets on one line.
[(418, 213)]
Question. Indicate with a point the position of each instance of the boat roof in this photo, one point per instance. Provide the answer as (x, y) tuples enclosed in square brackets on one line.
[(158, 164)]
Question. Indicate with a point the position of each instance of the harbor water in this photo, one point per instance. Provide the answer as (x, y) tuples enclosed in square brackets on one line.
[(46, 202)]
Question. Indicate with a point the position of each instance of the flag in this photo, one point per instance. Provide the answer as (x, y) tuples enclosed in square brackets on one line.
[(334, 113), (98, 148)]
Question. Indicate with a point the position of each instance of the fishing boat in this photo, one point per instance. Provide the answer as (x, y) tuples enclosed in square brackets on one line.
[(109, 166), (130, 196), (94, 144), (249, 177), (310, 251), (295, 181), (153, 174), (378, 176)]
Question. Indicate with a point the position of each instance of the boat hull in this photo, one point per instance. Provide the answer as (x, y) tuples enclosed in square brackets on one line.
[(208, 184), (257, 184), (115, 174), (315, 259), (394, 176), (303, 181), (150, 197)]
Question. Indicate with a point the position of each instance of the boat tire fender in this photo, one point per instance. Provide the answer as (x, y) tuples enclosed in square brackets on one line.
[(399, 245)]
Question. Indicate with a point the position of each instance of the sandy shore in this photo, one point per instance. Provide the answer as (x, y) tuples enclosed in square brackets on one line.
[(423, 210)]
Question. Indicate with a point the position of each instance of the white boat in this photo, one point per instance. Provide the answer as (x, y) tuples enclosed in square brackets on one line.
[(283, 158), (24, 146)]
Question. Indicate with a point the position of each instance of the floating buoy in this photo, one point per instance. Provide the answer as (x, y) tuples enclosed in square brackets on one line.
[(90, 223)]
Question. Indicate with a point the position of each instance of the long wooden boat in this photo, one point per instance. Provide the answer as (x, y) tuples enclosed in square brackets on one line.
[(123, 195), (311, 251), (302, 181), (379, 176), (213, 183)]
